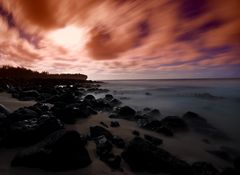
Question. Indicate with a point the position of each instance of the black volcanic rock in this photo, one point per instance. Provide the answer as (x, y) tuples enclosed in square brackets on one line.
[(118, 142), (4, 110), (114, 124), (29, 95), (97, 131), (237, 163), (23, 114), (108, 97), (30, 131), (165, 131), (201, 125), (126, 112), (69, 113), (174, 123), (204, 168), (61, 151), (141, 155), (154, 140), (230, 171), (103, 146)]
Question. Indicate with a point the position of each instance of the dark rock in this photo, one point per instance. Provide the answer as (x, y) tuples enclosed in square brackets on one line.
[(206, 141), (118, 142), (147, 93), (114, 124), (174, 123), (154, 140), (193, 117), (141, 155), (115, 102), (113, 116), (104, 146), (104, 124), (89, 98), (146, 109), (154, 113), (200, 125), (4, 110), (165, 130), (29, 95), (30, 131), (221, 154), (113, 161), (149, 124), (61, 151), (108, 97), (23, 114), (203, 168), (3, 125), (136, 133), (230, 171), (126, 111), (237, 163), (97, 131), (69, 113)]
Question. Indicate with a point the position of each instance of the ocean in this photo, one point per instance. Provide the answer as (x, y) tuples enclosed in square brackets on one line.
[(217, 100)]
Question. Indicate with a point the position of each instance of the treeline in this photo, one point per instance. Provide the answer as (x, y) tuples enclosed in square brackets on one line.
[(9, 72)]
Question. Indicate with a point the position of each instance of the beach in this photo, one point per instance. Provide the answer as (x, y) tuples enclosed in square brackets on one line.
[(188, 146)]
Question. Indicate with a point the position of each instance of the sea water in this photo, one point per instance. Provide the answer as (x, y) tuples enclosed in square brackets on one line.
[(218, 100)]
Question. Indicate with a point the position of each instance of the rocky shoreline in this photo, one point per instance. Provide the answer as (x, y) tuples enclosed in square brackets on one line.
[(40, 131)]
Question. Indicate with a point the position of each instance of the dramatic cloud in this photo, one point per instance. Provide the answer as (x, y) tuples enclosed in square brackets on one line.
[(122, 38)]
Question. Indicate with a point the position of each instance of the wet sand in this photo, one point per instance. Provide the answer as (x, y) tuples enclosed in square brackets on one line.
[(187, 146)]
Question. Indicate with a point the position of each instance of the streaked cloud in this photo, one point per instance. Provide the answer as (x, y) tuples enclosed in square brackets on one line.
[(110, 36)]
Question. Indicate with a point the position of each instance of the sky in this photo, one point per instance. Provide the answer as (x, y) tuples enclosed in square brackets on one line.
[(123, 39)]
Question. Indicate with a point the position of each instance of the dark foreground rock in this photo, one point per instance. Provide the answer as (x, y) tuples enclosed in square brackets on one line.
[(30, 131), (154, 140), (203, 168), (61, 151), (202, 126), (4, 110), (97, 131), (141, 155)]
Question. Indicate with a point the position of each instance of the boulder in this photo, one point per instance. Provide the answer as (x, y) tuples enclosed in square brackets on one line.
[(204, 168), (97, 131), (174, 123), (118, 142), (104, 124), (154, 140), (136, 133), (23, 114), (230, 171), (71, 112), (108, 97), (114, 124), (4, 110), (149, 124), (30, 131), (114, 102), (201, 125), (103, 146), (165, 131), (237, 163), (141, 155), (60, 151), (29, 95), (126, 112)]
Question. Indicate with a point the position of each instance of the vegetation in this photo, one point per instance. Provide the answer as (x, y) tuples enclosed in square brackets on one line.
[(9, 72)]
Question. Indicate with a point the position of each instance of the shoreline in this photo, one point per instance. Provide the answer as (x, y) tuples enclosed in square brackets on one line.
[(188, 146)]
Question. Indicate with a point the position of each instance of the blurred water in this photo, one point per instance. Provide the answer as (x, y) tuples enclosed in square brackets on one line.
[(218, 100)]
